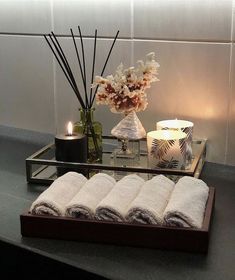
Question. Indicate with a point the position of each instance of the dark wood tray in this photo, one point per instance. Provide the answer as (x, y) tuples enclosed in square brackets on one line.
[(151, 236)]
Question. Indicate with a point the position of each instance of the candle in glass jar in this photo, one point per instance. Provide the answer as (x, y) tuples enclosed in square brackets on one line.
[(184, 126), (166, 149)]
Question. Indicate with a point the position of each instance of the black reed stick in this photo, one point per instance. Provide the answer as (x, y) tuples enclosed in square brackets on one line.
[(63, 66), (60, 49), (84, 64), (102, 72), (78, 57), (93, 68), (109, 53), (64, 59)]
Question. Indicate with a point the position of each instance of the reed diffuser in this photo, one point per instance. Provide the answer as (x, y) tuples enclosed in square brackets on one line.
[(86, 125)]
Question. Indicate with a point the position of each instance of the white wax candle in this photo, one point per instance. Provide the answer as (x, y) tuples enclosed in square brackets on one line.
[(185, 126), (173, 124), (166, 149)]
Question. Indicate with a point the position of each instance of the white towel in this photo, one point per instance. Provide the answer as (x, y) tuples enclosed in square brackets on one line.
[(150, 203), (186, 206), (54, 199), (84, 203), (114, 206)]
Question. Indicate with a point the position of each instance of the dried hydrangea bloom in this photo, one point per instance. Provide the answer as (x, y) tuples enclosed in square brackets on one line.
[(125, 91)]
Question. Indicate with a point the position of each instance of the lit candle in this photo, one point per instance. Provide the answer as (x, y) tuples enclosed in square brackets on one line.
[(70, 129), (70, 147), (166, 149), (184, 126)]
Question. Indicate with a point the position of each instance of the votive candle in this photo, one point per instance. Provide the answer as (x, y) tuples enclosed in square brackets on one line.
[(166, 149), (186, 127), (70, 147)]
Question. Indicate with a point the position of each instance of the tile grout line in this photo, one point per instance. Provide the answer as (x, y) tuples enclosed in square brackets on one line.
[(123, 38), (231, 69), (54, 75), (132, 32)]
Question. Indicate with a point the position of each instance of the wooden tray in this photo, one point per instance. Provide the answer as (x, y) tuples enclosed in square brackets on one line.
[(151, 236)]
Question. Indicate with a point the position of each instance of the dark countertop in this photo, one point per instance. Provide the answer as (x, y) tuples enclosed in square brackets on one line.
[(89, 261)]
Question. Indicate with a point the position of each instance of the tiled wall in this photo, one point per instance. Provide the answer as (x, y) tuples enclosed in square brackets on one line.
[(193, 40)]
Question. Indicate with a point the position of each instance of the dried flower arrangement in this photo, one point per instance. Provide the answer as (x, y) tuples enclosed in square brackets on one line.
[(125, 91)]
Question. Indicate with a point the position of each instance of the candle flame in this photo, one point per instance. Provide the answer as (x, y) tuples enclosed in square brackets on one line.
[(70, 129)]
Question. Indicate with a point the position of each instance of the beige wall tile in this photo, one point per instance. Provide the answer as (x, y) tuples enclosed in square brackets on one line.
[(183, 19), (26, 82), (105, 15), (230, 153), (25, 16)]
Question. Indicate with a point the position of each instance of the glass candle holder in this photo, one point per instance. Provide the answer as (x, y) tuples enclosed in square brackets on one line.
[(166, 149), (184, 126)]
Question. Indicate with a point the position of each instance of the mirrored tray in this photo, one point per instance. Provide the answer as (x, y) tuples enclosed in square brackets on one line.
[(41, 167)]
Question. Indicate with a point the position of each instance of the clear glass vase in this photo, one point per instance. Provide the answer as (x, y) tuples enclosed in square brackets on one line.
[(93, 129)]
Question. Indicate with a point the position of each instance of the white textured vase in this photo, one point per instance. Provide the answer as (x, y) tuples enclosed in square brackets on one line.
[(129, 128)]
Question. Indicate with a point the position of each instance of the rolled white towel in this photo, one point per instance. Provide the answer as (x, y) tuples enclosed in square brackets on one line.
[(114, 206), (150, 203), (186, 206), (84, 203), (54, 199)]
